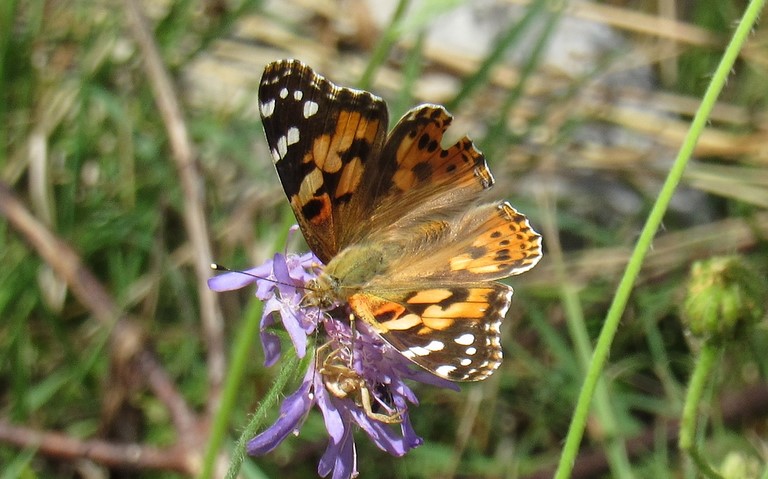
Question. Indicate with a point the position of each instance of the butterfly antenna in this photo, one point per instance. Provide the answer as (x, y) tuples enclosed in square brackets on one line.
[(219, 267)]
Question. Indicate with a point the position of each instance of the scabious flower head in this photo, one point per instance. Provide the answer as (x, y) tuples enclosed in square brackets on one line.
[(356, 379)]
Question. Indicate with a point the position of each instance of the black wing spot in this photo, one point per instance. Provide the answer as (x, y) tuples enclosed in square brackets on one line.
[(423, 141)]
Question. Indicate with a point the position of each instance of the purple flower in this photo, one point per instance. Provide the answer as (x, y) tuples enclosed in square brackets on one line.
[(356, 379)]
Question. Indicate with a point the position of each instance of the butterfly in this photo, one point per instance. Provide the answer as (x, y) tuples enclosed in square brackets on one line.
[(395, 221)]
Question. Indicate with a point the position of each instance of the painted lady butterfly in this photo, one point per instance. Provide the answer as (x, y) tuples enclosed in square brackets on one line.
[(394, 220)]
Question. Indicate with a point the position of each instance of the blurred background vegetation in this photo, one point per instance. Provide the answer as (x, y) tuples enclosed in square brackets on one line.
[(115, 197)]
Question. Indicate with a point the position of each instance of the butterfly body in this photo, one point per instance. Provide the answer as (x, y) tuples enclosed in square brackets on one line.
[(346, 274), (396, 221)]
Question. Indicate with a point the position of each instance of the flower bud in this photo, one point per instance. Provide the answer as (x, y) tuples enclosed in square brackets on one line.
[(724, 296)]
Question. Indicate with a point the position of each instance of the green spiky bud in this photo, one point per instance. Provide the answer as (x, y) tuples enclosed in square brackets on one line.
[(724, 296)]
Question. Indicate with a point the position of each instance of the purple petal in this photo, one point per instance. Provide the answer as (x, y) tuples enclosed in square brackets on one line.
[(292, 412), (334, 423), (341, 458), (230, 281), (271, 345), (427, 378), (292, 325), (328, 459), (409, 434), (381, 434), (280, 270), (270, 342)]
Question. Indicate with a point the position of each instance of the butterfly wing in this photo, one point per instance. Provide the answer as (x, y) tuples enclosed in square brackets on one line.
[(488, 242), (322, 139), (345, 180), (451, 331), (417, 179)]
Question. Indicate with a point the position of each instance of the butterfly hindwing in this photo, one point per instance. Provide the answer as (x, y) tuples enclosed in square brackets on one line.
[(488, 242), (452, 331)]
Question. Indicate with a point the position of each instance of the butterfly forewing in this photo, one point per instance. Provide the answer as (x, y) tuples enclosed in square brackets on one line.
[(322, 138), (427, 180)]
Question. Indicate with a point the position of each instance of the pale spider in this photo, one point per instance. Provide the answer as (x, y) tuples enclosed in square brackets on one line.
[(344, 382)]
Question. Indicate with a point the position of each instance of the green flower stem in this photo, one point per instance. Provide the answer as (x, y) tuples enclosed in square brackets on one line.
[(275, 394), (616, 450), (603, 346), (615, 447), (687, 442), (236, 372)]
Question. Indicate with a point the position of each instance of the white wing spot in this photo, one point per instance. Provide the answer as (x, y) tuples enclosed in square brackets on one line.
[(267, 108), (445, 370), (292, 136), (465, 339), (471, 351), (275, 155), (408, 354), (310, 108), (298, 95), (419, 351), (465, 362), (435, 345), (282, 146), (284, 93)]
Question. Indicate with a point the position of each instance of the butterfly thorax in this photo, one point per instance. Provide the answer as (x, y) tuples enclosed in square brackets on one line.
[(349, 272)]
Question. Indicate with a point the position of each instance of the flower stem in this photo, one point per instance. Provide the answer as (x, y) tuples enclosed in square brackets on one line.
[(704, 364), (271, 400), (613, 317)]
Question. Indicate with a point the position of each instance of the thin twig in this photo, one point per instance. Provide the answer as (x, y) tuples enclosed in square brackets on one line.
[(194, 195), (133, 456)]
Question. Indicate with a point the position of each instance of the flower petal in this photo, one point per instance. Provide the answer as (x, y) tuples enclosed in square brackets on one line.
[(270, 342), (384, 436), (230, 281), (341, 458), (292, 325), (334, 422), (292, 412)]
